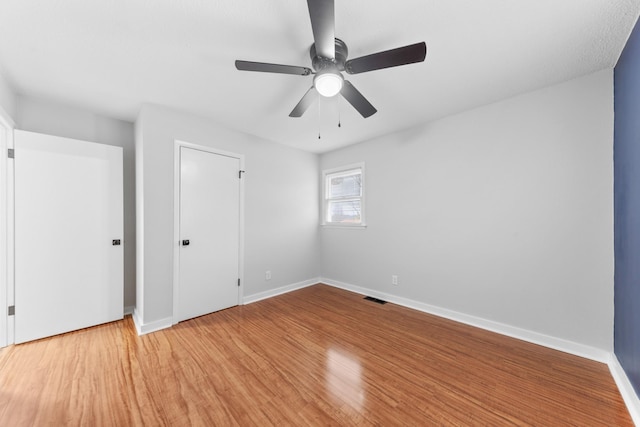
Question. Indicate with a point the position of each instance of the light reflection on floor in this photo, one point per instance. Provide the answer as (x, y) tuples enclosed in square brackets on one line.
[(344, 379)]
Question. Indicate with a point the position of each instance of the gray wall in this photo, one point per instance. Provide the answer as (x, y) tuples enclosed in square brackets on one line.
[(281, 207), (52, 118), (504, 212)]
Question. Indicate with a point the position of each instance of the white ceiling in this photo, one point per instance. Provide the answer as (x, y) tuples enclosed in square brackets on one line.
[(111, 56)]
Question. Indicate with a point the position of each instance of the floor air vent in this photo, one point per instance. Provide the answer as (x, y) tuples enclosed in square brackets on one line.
[(376, 300)]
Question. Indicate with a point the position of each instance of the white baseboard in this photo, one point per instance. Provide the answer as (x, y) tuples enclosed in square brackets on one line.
[(154, 326), (129, 309), (157, 325), (279, 291), (627, 391), (560, 344)]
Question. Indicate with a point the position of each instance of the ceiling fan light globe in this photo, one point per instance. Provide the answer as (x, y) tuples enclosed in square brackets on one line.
[(328, 84)]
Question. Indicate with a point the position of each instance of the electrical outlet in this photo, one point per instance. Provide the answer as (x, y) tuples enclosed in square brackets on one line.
[(394, 280), (267, 275)]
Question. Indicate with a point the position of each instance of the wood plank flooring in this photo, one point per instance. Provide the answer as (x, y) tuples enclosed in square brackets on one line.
[(317, 356)]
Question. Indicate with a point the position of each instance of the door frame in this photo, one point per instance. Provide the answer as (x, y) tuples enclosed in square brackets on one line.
[(178, 145), (6, 230)]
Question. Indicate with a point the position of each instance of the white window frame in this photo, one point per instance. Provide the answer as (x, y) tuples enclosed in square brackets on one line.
[(326, 174)]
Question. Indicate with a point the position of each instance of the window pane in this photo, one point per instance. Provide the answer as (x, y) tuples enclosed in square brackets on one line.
[(344, 211), (345, 186)]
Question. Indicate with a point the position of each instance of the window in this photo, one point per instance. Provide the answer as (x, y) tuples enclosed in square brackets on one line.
[(344, 196)]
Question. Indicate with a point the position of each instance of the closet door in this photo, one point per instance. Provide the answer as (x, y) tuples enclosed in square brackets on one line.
[(209, 233), (68, 235)]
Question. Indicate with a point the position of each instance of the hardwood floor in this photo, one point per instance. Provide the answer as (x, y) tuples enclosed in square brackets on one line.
[(317, 356)]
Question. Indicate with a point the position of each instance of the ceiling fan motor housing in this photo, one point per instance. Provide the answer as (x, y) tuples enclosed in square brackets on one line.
[(319, 63)]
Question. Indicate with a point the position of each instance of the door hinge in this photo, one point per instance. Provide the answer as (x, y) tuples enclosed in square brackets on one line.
[(238, 282), (240, 174), (11, 153), (12, 310)]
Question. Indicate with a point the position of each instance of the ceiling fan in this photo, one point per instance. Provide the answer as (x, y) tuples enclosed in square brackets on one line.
[(329, 59)]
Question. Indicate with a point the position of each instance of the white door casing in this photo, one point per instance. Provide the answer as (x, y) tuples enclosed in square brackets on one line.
[(209, 217), (6, 226), (68, 212)]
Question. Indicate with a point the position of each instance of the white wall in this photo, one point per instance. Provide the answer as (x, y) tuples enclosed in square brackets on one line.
[(52, 118), (281, 207), (140, 214), (504, 212), (7, 97)]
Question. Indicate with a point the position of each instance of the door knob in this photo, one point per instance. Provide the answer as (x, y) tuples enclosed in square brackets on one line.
[(185, 243)]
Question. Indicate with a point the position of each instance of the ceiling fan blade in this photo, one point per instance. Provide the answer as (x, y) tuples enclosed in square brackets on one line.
[(272, 68), (304, 103), (356, 99), (322, 14), (389, 58)]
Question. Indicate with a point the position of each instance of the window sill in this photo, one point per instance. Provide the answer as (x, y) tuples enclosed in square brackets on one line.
[(345, 227)]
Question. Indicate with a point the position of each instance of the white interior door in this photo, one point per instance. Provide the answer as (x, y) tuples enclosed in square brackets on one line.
[(68, 214), (209, 233)]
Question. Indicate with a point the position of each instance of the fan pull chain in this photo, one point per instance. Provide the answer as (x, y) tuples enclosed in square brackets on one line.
[(339, 121), (319, 117)]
